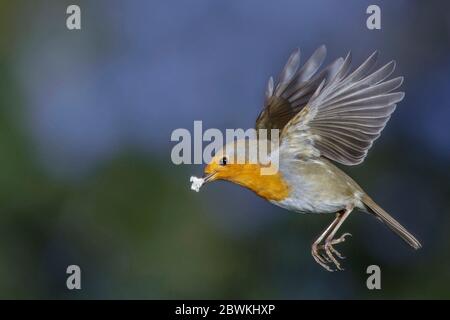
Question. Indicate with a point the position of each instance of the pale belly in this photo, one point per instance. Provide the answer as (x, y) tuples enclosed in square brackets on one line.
[(317, 187), (310, 205)]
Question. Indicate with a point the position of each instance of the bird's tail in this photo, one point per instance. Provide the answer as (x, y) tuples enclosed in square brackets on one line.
[(393, 224)]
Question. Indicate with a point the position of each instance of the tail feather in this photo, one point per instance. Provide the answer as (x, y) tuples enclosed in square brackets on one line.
[(393, 224)]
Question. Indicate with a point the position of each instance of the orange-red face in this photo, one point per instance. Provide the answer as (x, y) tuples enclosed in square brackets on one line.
[(224, 166)]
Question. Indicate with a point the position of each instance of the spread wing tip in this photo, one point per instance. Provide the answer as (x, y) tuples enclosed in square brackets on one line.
[(347, 111)]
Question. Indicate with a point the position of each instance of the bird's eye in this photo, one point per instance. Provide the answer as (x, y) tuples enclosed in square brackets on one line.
[(223, 161)]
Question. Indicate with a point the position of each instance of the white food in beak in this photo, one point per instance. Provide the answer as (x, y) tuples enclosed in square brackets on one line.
[(196, 183)]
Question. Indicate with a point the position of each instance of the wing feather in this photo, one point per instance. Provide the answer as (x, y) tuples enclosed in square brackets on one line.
[(294, 88), (346, 113)]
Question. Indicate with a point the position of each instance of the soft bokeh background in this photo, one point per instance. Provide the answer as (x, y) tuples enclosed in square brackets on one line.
[(86, 175)]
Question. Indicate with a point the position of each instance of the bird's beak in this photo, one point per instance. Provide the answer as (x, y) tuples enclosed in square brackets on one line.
[(209, 177)]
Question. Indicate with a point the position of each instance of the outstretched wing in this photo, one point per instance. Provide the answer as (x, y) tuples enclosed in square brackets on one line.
[(294, 88), (346, 114)]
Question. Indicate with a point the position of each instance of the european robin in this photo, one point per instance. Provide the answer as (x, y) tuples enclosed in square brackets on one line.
[(322, 116)]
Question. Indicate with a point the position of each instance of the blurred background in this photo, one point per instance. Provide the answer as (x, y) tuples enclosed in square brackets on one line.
[(86, 175)]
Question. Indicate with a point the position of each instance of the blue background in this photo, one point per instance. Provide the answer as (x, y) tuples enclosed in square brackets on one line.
[(86, 175)]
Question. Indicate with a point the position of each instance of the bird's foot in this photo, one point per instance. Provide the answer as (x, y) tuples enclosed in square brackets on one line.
[(321, 259), (325, 254)]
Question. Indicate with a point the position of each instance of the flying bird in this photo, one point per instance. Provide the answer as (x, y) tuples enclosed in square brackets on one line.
[(323, 116)]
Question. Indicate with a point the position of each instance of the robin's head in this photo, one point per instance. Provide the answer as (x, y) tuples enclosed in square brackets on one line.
[(232, 162), (241, 163)]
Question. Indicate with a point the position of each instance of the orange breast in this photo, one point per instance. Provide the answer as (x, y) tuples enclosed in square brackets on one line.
[(269, 187)]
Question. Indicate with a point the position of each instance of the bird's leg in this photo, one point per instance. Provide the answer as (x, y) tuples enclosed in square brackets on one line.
[(330, 241), (322, 260)]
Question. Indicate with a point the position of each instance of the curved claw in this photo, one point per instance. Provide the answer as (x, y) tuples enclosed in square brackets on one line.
[(347, 234), (319, 259), (328, 250), (339, 255), (325, 254)]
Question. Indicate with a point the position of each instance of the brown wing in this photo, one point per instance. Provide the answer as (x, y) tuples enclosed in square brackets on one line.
[(345, 115), (293, 89)]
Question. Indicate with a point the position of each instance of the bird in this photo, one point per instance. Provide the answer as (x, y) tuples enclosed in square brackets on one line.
[(321, 117)]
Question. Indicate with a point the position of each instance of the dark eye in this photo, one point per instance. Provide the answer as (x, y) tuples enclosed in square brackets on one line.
[(223, 161)]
